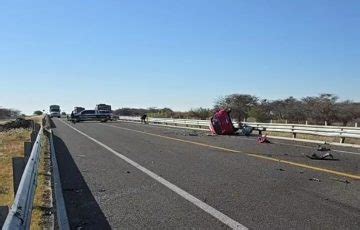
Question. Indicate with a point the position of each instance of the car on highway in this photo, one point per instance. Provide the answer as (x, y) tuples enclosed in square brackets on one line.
[(92, 115)]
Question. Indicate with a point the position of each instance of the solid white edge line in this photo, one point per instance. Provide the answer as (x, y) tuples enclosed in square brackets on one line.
[(207, 208)]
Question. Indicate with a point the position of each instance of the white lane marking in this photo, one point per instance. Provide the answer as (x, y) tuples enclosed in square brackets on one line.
[(342, 151), (207, 208)]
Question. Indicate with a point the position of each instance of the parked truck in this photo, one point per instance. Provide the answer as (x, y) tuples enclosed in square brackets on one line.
[(103, 107), (55, 111)]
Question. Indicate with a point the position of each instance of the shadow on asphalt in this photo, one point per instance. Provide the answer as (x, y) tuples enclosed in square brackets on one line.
[(4, 210), (82, 209), (52, 124)]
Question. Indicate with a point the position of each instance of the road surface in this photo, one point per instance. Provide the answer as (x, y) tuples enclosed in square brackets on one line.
[(121, 175)]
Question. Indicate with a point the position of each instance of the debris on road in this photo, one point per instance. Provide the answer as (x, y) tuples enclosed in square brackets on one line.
[(127, 172), (282, 170), (326, 156), (247, 130), (324, 147), (263, 140), (341, 180), (315, 179), (193, 134)]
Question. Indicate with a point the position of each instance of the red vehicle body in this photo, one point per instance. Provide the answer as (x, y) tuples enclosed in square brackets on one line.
[(221, 123)]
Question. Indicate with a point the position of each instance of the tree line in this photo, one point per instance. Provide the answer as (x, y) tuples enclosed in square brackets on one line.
[(313, 109), (8, 113), (199, 113)]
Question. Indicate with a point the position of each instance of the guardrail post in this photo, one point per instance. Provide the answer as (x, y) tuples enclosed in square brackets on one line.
[(18, 165), (293, 133), (342, 139), (356, 124), (27, 150), (33, 137), (325, 123)]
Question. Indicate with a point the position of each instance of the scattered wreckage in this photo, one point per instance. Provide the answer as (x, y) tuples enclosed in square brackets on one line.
[(322, 156), (221, 124)]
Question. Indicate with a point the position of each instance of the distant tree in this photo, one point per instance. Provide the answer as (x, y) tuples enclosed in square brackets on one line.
[(166, 112), (321, 108), (293, 110), (261, 112), (317, 109), (347, 111), (240, 104), (38, 112), (63, 113), (200, 113), (130, 112), (8, 113)]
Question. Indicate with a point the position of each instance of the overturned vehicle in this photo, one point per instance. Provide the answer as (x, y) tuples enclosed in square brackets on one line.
[(221, 124)]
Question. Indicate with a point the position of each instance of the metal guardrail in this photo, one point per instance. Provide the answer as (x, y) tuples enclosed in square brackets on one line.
[(328, 131), (19, 216)]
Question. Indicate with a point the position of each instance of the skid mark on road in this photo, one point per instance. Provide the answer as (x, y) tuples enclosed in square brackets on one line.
[(200, 204), (329, 171)]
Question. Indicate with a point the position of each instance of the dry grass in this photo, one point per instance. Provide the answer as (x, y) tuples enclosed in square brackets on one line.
[(4, 121), (43, 201), (37, 119), (11, 145)]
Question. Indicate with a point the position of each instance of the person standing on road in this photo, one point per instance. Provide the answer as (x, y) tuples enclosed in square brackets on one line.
[(72, 117), (143, 118)]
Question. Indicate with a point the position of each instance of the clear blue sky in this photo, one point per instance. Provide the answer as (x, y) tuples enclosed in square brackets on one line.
[(179, 54)]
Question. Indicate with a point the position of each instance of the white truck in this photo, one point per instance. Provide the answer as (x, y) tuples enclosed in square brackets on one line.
[(55, 111)]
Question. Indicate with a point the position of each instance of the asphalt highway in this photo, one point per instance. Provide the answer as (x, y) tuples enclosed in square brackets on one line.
[(122, 175)]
